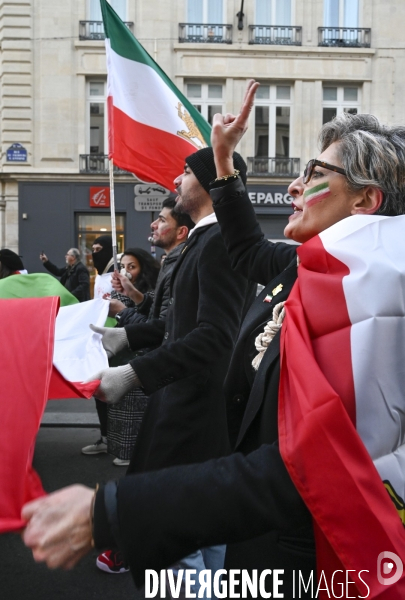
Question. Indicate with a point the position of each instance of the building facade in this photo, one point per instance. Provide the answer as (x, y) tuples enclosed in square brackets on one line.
[(313, 59)]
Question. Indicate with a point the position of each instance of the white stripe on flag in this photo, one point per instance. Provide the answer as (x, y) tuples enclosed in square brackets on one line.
[(139, 92), (373, 248), (78, 352)]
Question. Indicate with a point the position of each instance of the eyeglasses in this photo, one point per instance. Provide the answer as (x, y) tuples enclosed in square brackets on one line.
[(309, 169)]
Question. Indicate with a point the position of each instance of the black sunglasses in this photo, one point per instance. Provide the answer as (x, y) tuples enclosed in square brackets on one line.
[(309, 169)]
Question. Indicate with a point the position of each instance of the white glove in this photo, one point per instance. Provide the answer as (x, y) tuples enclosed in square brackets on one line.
[(114, 339), (115, 383)]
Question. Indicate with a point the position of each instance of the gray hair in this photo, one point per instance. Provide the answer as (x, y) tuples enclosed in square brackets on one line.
[(76, 253), (372, 154)]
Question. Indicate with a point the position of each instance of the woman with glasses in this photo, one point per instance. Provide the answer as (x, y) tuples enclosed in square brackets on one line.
[(249, 499)]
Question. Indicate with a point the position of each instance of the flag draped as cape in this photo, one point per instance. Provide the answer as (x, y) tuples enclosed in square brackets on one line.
[(342, 396)]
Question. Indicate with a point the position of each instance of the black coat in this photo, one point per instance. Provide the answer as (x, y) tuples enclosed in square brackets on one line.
[(155, 306), (246, 500), (185, 420), (76, 279)]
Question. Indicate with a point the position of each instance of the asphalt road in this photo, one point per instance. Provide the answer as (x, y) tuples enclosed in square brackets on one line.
[(59, 463)]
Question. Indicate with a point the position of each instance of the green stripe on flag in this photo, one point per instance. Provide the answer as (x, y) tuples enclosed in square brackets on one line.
[(36, 285), (39, 285), (124, 43), (316, 189)]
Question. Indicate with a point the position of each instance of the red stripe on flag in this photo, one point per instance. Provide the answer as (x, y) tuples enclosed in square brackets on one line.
[(152, 154), (27, 328), (60, 388), (322, 451)]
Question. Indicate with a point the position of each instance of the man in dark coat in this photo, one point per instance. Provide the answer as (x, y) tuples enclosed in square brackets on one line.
[(277, 533), (74, 276), (169, 231), (185, 420)]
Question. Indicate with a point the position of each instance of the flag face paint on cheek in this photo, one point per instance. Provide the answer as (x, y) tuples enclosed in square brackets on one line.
[(316, 194)]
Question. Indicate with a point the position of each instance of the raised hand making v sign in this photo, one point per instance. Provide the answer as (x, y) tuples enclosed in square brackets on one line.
[(227, 131)]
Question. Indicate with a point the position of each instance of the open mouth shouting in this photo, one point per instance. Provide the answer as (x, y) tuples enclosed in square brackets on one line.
[(296, 213)]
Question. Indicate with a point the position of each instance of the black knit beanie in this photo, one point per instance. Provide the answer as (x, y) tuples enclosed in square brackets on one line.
[(203, 166), (11, 260)]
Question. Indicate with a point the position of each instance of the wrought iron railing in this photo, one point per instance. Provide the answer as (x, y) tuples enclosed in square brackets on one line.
[(275, 34), (273, 167), (344, 37), (96, 163), (205, 33), (94, 30)]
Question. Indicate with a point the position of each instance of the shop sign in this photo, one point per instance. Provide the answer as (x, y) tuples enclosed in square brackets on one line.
[(148, 203), (270, 196), (149, 196), (17, 153), (99, 197), (151, 189)]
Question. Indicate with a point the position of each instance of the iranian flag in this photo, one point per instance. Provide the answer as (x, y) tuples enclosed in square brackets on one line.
[(342, 401), (152, 126), (47, 353)]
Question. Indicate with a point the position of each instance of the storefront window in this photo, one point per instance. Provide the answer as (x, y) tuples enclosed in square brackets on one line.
[(91, 226)]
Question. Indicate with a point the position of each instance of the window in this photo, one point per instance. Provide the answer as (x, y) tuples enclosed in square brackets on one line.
[(94, 9), (205, 11), (341, 13), (273, 12), (338, 99), (97, 118), (206, 97), (272, 121)]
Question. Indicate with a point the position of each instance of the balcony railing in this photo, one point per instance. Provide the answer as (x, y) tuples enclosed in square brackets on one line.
[(275, 34), (96, 163), (94, 30), (344, 37), (273, 167), (202, 33)]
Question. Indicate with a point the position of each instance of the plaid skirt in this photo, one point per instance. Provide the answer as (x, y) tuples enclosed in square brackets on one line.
[(124, 422)]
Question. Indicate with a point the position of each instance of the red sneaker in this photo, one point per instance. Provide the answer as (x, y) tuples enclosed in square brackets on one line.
[(111, 561)]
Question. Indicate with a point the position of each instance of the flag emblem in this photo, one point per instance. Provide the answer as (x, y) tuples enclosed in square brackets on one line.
[(193, 134)]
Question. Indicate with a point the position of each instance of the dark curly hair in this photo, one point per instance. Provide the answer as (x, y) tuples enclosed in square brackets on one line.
[(146, 280)]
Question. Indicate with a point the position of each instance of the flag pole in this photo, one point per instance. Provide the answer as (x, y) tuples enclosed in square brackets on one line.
[(112, 208)]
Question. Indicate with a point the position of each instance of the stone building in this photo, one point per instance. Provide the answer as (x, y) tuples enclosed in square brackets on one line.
[(313, 58)]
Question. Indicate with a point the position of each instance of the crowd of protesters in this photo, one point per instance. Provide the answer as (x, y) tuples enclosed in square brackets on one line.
[(192, 389)]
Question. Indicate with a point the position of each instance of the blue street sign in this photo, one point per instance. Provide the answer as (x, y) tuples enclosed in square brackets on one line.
[(17, 153)]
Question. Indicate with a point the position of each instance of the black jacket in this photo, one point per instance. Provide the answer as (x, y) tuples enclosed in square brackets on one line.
[(246, 500), (185, 420), (76, 278), (155, 306)]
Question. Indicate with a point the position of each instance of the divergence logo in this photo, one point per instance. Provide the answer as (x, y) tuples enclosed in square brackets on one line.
[(386, 573)]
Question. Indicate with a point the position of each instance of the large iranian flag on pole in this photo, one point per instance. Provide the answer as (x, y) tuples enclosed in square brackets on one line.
[(342, 401), (152, 126)]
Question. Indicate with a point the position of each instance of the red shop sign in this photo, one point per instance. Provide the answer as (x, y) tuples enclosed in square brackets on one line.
[(99, 197)]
